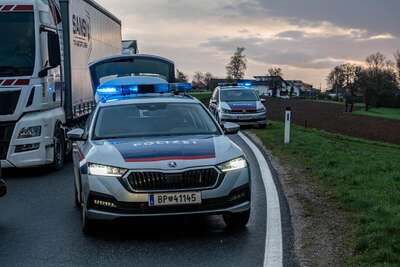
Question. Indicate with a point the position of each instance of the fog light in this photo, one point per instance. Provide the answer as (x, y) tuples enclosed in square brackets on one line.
[(103, 203), (25, 148)]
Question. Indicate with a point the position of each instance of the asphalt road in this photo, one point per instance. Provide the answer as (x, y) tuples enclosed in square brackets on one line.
[(40, 226)]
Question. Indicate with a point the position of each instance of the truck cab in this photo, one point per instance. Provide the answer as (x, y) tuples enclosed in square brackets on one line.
[(44, 77)]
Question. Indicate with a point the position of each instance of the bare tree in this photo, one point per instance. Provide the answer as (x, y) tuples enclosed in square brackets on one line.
[(198, 80), (181, 77), (275, 79), (376, 61), (397, 57), (345, 76), (207, 79), (237, 65), (379, 81)]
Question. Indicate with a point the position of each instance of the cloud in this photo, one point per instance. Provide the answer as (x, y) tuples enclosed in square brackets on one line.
[(306, 37)]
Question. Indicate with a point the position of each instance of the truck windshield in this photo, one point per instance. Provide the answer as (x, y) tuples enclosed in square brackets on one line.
[(104, 71), (17, 44), (153, 119), (239, 95)]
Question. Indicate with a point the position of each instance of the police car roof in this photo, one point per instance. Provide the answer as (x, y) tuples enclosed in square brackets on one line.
[(150, 98)]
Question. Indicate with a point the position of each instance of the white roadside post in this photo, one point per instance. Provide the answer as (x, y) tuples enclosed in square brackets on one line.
[(288, 119)]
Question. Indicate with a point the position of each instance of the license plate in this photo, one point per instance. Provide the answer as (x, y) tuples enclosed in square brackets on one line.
[(244, 118), (170, 199)]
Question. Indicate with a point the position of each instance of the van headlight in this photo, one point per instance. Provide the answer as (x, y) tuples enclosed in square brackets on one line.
[(233, 165), (103, 170), (29, 132)]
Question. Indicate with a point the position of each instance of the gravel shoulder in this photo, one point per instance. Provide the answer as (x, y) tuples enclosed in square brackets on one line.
[(319, 226)]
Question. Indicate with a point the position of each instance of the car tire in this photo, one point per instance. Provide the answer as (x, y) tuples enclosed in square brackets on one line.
[(59, 149), (237, 220), (87, 224), (77, 203)]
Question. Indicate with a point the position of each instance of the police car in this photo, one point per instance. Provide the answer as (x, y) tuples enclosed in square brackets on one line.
[(239, 103), (146, 151)]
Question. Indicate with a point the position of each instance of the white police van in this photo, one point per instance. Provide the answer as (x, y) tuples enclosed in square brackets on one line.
[(238, 103), (146, 151)]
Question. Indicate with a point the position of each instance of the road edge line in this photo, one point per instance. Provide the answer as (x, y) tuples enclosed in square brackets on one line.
[(273, 256)]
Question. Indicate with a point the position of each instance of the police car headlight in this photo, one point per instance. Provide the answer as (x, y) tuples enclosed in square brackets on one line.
[(224, 110), (103, 170), (262, 109), (30, 132), (233, 165)]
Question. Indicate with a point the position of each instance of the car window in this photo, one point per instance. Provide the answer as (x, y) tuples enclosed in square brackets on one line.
[(153, 119), (239, 95)]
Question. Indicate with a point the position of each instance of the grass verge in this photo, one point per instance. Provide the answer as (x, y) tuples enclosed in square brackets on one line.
[(387, 113), (362, 176), (203, 96)]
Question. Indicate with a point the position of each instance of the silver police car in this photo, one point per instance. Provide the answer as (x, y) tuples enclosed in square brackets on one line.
[(238, 103), (145, 152)]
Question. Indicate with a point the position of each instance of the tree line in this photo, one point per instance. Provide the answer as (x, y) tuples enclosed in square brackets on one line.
[(235, 70), (377, 82)]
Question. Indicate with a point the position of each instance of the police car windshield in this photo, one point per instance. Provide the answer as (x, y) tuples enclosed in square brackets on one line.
[(239, 95), (153, 119)]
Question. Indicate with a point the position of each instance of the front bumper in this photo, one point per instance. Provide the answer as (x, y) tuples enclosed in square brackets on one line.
[(238, 201), (245, 119), (231, 195)]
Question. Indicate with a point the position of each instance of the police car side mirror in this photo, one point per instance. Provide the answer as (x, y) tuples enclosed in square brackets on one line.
[(213, 101), (263, 100), (231, 128), (77, 134), (3, 188)]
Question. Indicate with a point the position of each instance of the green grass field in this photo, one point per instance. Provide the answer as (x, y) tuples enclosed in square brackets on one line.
[(203, 96), (361, 105), (362, 176), (387, 113)]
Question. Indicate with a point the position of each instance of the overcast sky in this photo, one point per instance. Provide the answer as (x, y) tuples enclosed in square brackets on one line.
[(304, 37)]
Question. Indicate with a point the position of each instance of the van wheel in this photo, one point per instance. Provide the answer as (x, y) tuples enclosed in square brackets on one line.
[(59, 149)]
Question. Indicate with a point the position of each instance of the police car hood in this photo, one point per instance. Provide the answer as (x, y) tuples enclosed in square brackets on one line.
[(159, 152)]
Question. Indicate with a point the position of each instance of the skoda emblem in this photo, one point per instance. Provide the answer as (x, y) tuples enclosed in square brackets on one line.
[(172, 164)]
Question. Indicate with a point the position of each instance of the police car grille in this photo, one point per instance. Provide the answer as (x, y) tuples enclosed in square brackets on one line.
[(150, 181), (244, 111)]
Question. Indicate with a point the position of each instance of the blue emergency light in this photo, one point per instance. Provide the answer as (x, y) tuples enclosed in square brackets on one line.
[(128, 91), (236, 84)]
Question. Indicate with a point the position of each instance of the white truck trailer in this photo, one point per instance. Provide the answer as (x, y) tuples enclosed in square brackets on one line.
[(45, 86)]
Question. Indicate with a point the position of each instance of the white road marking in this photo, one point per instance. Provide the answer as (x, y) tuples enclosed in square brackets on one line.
[(273, 256)]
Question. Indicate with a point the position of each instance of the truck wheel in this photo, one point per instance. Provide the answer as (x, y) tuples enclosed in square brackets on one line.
[(59, 149), (237, 220)]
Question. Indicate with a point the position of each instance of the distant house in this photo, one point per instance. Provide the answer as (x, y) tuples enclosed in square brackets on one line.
[(273, 86)]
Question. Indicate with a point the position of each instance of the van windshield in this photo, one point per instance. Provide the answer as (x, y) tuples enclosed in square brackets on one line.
[(17, 39), (239, 95)]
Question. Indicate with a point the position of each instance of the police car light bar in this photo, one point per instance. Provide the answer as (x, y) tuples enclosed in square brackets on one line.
[(239, 84), (125, 91)]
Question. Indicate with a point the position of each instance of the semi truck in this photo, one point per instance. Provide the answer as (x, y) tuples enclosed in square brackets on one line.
[(45, 85)]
